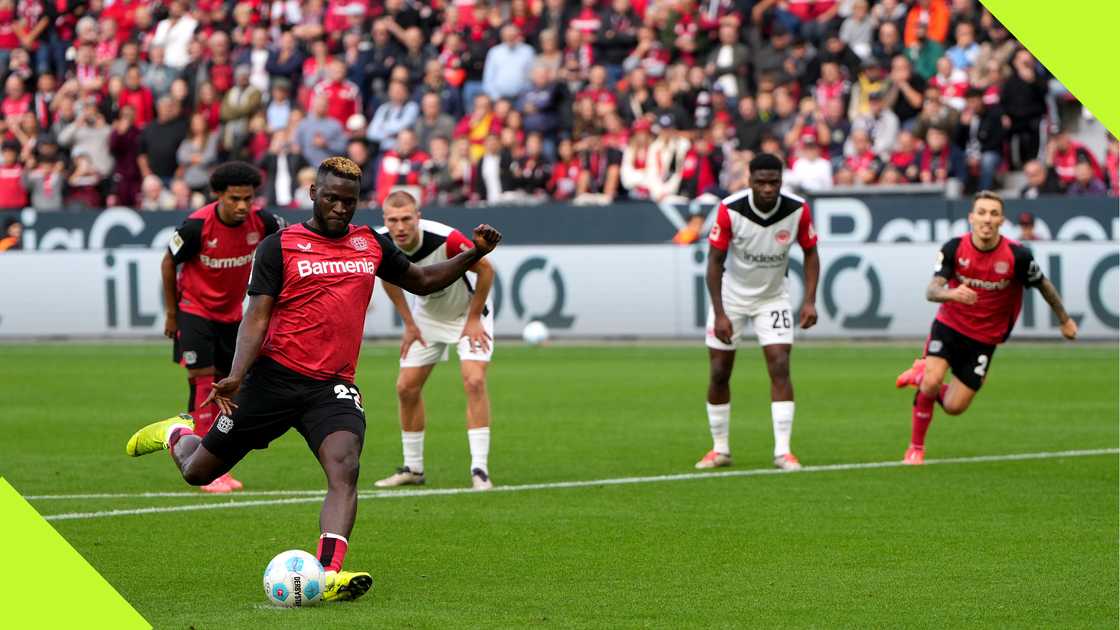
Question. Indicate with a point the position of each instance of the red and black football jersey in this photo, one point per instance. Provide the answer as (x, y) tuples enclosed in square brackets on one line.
[(215, 259), (322, 286), (998, 276)]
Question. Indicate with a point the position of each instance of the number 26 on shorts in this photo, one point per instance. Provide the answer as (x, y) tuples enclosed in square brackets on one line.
[(781, 319)]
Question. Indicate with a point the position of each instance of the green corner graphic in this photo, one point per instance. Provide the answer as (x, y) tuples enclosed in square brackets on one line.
[(1076, 41), (79, 597)]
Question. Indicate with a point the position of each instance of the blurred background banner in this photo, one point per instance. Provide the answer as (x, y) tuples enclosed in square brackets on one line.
[(585, 291)]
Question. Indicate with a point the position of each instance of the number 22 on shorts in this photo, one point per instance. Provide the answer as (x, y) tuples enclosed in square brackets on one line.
[(349, 393)]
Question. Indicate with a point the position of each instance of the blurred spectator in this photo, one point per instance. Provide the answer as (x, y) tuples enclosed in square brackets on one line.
[(319, 136), (279, 108), (531, 171), (493, 175), (599, 164), (617, 36), (286, 60), (665, 163), (84, 184), (1112, 165), (749, 128), (904, 159), (401, 166), (160, 140), (965, 52), (137, 95), (728, 61), (940, 162), (256, 57), (701, 169), (158, 75), (343, 97), (810, 171), (305, 179), (860, 158), (981, 136), (507, 66), (432, 122), (11, 235), (281, 165), (649, 55), (881, 125), (1024, 99), (89, 134), (13, 194), (935, 113), (124, 145), (197, 154), (929, 18), (858, 29), (395, 115), (1026, 227), (43, 178), (153, 195), (888, 43), (550, 55), (633, 171), (358, 151), (923, 53), (185, 198), (1086, 182), (1064, 154), (566, 172), (174, 33), (120, 63), (436, 179), (1040, 181), (478, 124), (904, 90)]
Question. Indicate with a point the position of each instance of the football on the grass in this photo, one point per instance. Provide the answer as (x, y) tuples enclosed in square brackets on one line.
[(294, 579)]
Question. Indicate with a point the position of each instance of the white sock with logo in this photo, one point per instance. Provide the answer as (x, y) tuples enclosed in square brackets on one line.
[(719, 422), (479, 440), (413, 443), (782, 414)]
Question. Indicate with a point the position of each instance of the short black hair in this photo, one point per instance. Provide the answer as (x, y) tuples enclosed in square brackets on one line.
[(766, 162), (234, 174)]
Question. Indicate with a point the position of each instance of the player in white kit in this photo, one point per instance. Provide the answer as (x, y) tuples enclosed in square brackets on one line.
[(748, 260), (459, 316)]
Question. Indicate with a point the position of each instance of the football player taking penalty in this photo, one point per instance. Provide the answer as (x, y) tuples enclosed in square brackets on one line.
[(297, 351)]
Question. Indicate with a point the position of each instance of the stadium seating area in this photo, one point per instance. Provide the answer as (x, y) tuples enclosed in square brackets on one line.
[(132, 103)]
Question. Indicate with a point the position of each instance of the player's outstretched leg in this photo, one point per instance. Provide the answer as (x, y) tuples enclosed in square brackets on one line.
[(339, 455), (781, 403), (478, 422), (930, 391), (720, 364), (201, 382), (198, 466), (410, 399)]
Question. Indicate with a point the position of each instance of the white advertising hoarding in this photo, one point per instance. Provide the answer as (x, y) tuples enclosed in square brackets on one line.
[(866, 290)]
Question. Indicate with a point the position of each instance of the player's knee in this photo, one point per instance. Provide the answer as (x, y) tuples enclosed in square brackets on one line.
[(720, 375), (194, 476), (343, 469), (954, 408), (474, 384), (779, 370), (930, 385), (408, 391)]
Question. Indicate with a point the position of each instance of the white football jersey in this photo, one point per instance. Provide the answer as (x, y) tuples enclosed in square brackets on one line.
[(439, 242), (757, 243)]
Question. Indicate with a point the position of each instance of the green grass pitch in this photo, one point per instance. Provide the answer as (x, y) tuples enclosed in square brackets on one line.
[(982, 544)]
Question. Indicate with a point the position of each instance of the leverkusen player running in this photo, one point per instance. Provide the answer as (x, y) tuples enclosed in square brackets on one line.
[(979, 281), (205, 271), (297, 350)]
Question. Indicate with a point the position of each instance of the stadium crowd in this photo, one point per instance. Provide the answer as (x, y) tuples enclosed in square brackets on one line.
[(123, 102)]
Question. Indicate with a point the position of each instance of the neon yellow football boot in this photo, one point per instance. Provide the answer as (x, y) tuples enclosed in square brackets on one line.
[(153, 437), (346, 585)]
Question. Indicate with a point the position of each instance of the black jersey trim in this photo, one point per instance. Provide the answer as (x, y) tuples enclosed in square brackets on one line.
[(786, 207), (430, 243)]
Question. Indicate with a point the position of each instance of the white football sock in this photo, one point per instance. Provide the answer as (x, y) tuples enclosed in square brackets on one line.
[(782, 414), (719, 422), (480, 448), (413, 443)]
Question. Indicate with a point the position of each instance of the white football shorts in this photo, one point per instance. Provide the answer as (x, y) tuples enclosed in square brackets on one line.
[(441, 335), (773, 323)]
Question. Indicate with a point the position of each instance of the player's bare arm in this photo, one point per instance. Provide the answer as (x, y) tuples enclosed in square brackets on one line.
[(170, 295), (812, 277), (250, 335), (939, 291), (431, 278), (714, 278), (411, 330), (1050, 294), (474, 330)]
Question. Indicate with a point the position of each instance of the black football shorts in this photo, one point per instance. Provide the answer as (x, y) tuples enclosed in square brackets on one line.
[(202, 343), (968, 358), (274, 399)]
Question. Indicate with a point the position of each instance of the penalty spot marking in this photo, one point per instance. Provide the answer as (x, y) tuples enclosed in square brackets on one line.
[(314, 496)]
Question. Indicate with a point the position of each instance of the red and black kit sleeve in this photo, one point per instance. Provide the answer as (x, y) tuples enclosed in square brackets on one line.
[(947, 259), (268, 268), (394, 263), (186, 241), (720, 236), (1027, 271)]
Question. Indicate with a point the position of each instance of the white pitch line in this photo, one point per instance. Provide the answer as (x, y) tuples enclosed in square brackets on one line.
[(314, 496)]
